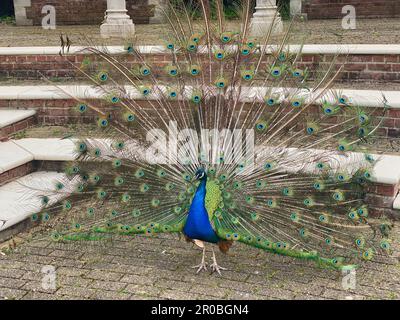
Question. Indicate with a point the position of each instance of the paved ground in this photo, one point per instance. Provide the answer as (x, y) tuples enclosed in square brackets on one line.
[(313, 31), (159, 268)]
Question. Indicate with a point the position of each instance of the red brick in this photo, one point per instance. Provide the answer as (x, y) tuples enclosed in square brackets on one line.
[(396, 67), (380, 201), (392, 58), (360, 58), (394, 113), (379, 67), (378, 58), (355, 67)]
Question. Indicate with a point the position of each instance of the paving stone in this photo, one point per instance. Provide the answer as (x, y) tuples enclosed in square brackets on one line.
[(34, 295), (73, 281), (66, 254), (138, 279), (174, 285), (178, 295), (108, 285), (104, 275), (11, 273), (209, 290), (37, 286), (76, 292), (11, 294), (37, 251), (146, 290), (11, 283), (72, 272), (145, 297), (100, 277), (110, 295)]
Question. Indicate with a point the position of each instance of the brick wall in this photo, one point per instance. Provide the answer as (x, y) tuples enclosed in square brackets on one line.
[(60, 112), (332, 9), (17, 172), (357, 67), (86, 12), (380, 199), (15, 127)]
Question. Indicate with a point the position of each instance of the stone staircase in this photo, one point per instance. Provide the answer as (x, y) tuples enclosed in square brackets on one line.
[(18, 177), (20, 159)]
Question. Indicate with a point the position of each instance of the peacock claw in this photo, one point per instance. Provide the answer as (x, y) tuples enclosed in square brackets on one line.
[(215, 267), (201, 266), (203, 263)]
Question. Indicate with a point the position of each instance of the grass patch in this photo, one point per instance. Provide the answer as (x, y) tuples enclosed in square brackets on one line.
[(7, 20)]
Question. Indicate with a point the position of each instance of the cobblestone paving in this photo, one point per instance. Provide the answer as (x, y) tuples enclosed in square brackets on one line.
[(159, 268), (314, 31)]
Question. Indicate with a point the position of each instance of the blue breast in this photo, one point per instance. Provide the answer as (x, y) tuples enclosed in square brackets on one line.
[(198, 225)]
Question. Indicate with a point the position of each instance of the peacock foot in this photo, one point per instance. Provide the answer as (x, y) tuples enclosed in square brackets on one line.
[(201, 266), (203, 263), (214, 266)]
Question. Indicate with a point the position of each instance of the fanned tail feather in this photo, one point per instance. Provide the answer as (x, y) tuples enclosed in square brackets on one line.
[(298, 191)]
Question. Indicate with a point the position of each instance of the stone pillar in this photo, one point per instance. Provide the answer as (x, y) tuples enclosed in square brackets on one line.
[(159, 16), (295, 7), (117, 23), (263, 18), (20, 12)]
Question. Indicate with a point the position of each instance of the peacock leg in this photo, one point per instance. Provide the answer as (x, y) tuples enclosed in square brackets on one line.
[(214, 266), (203, 263)]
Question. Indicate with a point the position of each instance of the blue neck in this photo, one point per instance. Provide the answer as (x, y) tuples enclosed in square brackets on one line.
[(199, 198), (197, 224)]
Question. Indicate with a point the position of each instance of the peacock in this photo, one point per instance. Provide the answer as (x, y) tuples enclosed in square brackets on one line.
[(221, 137)]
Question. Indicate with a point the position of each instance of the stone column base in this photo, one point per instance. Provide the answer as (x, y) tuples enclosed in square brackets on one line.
[(262, 21), (117, 30)]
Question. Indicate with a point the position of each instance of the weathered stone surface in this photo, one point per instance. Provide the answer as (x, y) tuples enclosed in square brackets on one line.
[(276, 278)]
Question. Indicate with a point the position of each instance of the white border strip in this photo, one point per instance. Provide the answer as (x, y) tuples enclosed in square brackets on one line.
[(307, 49), (364, 98)]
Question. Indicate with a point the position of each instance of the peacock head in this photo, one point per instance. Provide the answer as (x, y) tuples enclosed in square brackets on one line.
[(200, 174)]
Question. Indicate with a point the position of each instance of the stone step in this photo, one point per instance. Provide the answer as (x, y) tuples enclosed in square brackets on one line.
[(11, 116), (17, 156), (25, 93), (21, 198), (13, 156), (14, 120)]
